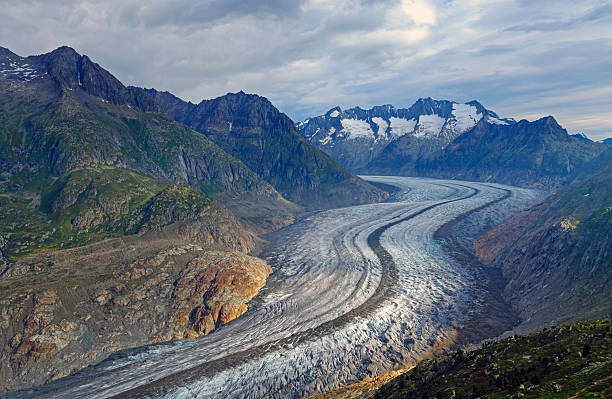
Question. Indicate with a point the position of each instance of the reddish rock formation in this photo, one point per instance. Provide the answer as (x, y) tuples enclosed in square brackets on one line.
[(213, 289)]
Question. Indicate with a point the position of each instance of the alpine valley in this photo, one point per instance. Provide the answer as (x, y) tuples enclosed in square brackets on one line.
[(122, 227), (151, 247)]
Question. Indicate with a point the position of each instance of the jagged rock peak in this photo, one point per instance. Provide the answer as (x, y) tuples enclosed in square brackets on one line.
[(71, 71), (581, 136)]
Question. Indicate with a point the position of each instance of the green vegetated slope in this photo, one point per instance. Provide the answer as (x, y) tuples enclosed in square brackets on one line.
[(89, 204), (557, 255), (555, 363)]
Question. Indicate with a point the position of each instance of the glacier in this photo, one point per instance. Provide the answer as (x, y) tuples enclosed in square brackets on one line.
[(356, 291)]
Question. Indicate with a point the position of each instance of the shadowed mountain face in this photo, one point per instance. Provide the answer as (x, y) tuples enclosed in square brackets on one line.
[(557, 255), (530, 154), (250, 128), (450, 140)]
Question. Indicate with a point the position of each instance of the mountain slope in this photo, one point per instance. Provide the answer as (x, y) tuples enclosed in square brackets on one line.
[(449, 140), (67, 113), (356, 136), (557, 363), (112, 234), (530, 154), (250, 128), (557, 255)]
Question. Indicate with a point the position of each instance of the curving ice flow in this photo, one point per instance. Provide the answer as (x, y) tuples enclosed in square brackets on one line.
[(357, 291)]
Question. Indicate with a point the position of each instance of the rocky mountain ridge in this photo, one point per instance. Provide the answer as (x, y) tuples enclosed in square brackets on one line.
[(71, 71), (449, 140), (357, 136), (251, 129), (538, 154)]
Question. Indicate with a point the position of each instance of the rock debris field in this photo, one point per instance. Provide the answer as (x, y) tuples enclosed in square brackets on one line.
[(356, 291)]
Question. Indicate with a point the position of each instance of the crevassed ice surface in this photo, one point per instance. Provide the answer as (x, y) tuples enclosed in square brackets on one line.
[(337, 315)]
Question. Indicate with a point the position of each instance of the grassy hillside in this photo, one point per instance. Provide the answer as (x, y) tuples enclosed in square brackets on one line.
[(90, 204), (556, 363)]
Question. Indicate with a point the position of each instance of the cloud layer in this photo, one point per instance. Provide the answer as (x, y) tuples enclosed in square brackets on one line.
[(521, 58)]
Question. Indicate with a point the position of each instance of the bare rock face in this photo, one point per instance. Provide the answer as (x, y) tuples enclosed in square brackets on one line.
[(217, 226), (251, 129)]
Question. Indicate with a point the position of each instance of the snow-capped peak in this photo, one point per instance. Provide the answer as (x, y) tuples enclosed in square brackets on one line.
[(425, 119)]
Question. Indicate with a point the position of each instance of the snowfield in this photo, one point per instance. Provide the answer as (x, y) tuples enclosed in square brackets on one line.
[(357, 291)]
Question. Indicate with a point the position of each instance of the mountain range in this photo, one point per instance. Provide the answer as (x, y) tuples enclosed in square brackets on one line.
[(251, 129), (355, 137), (451, 140)]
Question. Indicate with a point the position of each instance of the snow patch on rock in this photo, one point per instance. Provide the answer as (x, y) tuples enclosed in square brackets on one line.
[(400, 126), (357, 128), (18, 69), (429, 126), (495, 121), (466, 117), (382, 126)]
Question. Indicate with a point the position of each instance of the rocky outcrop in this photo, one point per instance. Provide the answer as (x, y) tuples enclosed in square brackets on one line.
[(62, 311), (213, 290)]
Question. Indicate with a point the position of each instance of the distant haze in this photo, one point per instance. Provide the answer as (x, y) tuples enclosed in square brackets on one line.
[(522, 59)]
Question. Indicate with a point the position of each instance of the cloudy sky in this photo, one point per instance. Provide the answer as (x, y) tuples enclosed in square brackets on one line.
[(521, 58)]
